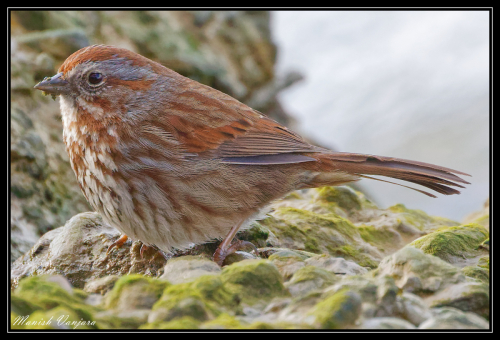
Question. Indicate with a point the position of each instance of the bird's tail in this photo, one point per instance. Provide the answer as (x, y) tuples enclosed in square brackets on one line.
[(437, 178)]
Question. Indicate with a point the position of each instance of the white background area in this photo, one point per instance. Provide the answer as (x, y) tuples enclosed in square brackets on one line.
[(407, 84)]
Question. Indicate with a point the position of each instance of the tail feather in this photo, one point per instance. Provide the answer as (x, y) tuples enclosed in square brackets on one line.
[(434, 177)]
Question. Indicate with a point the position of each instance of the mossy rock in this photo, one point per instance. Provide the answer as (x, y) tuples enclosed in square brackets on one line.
[(338, 311), (484, 262), (417, 272), (477, 273), (466, 296), (44, 295), (383, 238), (306, 230), (203, 299), (343, 197), (223, 321), (310, 278), (21, 306), (419, 219), (253, 280), (185, 322), (135, 292), (453, 244)]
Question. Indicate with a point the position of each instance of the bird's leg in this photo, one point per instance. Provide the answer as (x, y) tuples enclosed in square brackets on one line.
[(118, 243), (226, 249), (143, 249)]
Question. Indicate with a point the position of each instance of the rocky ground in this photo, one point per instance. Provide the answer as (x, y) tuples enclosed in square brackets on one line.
[(328, 258)]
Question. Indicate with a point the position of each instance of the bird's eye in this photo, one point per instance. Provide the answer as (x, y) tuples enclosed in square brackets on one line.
[(95, 78)]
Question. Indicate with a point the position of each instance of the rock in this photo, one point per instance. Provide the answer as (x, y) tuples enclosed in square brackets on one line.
[(466, 296), (188, 268), (414, 309), (457, 245), (202, 299), (452, 318), (477, 273), (223, 321), (101, 285), (417, 272), (185, 322), (310, 278), (387, 292), (134, 292), (336, 265), (253, 280), (343, 197), (386, 323), (78, 252), (41, 297), (288, 262), (124, 319), (338, 311), (320, 233), (298, 310)]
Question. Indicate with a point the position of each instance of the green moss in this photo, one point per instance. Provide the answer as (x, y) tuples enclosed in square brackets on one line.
[(484, 262), (185, 322), (79, 293), (337, 311), (277, 325), (343, 197), (419, 218), (348, 252), (256, 234), (483, 220), (477, 273), (485, 245), (310, 273), (202, 299), (180, 303), (223, 321), (284, 255), (211, 288), (260, 325), (21, 306), (47, 295), (382, 238), (253, 280), (449, 242), (313, 232), (144, 284)]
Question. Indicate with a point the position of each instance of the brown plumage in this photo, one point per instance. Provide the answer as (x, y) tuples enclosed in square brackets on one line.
[(171, 162)]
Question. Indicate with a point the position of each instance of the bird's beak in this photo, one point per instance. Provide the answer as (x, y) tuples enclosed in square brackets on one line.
[(54, 86)]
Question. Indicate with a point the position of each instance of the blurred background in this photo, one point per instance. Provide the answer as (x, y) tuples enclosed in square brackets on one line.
[(405, 84)]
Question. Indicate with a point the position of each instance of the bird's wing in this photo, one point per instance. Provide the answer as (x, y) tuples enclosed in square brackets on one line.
[(208, 121)]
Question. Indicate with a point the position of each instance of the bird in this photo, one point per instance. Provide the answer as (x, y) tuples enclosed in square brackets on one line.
[(172, 162)]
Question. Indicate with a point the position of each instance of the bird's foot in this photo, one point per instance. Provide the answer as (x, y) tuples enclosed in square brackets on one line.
[(118, 243), (143, 249), (221, 253)]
